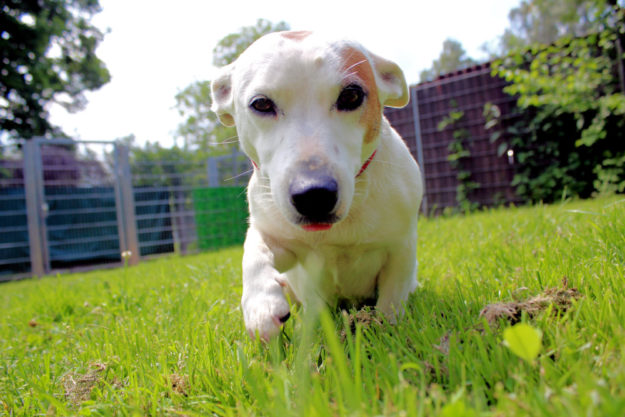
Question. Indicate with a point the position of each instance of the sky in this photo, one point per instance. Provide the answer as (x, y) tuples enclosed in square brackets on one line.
[(154, 49)]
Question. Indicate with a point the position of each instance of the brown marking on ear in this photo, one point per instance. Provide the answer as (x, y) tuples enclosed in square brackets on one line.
[(356, 64), (296, 35)]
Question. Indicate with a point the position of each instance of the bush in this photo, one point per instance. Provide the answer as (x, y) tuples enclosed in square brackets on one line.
[(571, 138)]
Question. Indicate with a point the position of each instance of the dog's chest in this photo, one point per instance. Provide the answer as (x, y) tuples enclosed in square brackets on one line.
[(339, 273)]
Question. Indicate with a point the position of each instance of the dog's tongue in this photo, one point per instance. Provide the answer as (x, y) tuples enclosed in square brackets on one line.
[(317, 227)]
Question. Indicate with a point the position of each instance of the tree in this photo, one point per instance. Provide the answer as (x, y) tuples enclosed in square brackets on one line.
[(201, 128), (48, 55), (546, 21), (453, 57), (229, 48), (194, 102)]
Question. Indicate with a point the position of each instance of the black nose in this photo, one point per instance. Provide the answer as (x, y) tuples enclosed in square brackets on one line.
[(314, 196)]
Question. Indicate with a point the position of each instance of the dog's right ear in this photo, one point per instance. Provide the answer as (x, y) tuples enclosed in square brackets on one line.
[(223, 97)]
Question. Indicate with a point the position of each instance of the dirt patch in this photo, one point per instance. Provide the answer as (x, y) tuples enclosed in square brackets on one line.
[(365, 317), (78, 387), (179, 384), (558, 299)]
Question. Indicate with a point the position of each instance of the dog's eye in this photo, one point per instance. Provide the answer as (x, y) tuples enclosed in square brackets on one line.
[(263, 105), (350, 98)]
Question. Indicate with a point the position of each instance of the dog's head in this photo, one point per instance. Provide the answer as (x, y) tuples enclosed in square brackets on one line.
[(308, 113)]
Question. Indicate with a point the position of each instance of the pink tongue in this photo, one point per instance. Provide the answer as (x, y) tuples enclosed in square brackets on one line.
[(316, 227)]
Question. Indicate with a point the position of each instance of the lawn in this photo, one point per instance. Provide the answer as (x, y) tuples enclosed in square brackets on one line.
[(166, 337)]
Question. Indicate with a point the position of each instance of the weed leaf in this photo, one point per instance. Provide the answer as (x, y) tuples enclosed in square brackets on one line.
[(523, 340)]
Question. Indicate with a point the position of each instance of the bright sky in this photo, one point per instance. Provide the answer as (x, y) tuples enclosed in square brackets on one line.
[(156, 48)]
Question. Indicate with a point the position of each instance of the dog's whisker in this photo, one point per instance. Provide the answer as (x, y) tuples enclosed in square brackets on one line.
[(349, 74), (244, 173), (227, 141), (346, 70), (383, 162), (224, 142)]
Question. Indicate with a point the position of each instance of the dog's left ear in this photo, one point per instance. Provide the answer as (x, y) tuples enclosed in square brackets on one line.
[(223, 97), (392, 86)]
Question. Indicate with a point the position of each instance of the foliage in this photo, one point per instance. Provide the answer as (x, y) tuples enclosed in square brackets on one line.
[(572, 136), (48, 56), (155, 166), (230, 47), (545, 21), (179, 169), (458, 157), (201, 129), (453, 57), (573, 75), (166, 337)]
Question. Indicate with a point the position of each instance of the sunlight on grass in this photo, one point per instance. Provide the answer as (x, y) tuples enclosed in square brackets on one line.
[(166, 337)]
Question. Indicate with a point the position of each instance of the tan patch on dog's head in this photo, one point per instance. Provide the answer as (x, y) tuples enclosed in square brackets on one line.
[(296, 35), (355, 64)]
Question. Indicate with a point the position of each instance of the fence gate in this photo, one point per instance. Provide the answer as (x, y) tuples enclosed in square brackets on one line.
[(14, 255), (69, 205)]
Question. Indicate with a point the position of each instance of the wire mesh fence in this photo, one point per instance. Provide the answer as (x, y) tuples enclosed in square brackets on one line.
[(67, 205), (79, 204), (172, 205), (466, 93), (14, 250)]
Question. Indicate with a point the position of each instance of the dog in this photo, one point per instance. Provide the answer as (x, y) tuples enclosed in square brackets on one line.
[(335, 193)]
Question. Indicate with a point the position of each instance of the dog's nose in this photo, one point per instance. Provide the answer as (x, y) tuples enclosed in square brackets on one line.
[(314, 196)]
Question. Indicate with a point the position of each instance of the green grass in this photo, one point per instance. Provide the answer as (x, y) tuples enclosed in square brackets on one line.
[(166, 337)]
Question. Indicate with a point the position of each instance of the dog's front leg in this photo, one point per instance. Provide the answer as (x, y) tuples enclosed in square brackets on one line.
[(264, 305), (397, 280)]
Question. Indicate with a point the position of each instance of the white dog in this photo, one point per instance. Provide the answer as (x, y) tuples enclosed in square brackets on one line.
[(335, 193)]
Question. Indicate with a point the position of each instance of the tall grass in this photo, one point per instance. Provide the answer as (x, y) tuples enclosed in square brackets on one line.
[(166, 337)]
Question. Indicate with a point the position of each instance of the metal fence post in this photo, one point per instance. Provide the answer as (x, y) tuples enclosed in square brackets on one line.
[(419, 143), (35, 213), (213, 171), (125, 204)]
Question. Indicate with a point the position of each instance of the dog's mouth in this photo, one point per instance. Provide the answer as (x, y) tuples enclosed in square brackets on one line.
[(318, 225)]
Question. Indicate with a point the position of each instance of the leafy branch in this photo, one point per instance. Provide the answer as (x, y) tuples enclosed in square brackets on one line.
[(458, 156), (570, 139)]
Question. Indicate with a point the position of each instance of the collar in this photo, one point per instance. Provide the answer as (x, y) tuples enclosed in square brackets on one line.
[(366, 164), (362, 168)]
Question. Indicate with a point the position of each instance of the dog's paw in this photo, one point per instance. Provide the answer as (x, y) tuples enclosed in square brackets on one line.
[(265, 314)]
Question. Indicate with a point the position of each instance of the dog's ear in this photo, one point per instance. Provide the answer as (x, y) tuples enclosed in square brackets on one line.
[(223, 97), (391, 82)]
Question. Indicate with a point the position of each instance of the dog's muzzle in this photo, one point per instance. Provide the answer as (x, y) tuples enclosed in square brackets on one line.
[(314, 195)]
